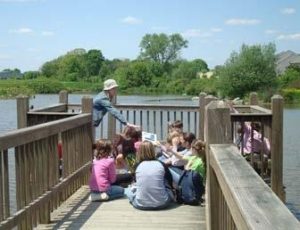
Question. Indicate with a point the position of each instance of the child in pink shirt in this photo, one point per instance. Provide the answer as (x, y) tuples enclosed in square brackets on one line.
[(256, 143), (104, 174)]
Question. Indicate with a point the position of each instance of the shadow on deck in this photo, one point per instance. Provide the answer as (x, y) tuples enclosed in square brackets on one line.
[(79, 213)]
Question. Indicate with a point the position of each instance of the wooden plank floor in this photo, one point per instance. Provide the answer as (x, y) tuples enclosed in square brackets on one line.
[(79, 213)]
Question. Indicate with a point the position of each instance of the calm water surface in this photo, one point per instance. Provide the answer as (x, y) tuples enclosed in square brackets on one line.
[(291, 141)]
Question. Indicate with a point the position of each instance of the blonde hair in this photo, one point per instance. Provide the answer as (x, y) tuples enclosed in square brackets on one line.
[(146, 152), (172, 135), (102, 149)]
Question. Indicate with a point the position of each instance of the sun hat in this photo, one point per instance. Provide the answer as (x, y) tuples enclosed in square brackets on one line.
[(109, 84)]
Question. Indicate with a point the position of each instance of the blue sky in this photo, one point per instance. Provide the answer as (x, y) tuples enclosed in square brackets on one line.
[(35, 31)]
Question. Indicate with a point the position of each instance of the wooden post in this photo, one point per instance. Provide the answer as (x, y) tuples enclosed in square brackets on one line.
[(217, 123), (22, 109), (202, 96), (217, 130), (87, 104), (253, 99), (63, 97), (208, 99), (277, 146), (87, 107)]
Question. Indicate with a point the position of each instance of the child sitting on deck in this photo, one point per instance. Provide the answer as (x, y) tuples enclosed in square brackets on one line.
[(196, 162), (103, 174), (175, 126), (124, 147), (152, 190), (179, 142)]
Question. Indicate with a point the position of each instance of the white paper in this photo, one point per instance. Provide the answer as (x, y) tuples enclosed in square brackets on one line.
[(149, 137)]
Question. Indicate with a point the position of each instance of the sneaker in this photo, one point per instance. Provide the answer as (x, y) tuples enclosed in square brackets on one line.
[(98, 196), (104, 196)]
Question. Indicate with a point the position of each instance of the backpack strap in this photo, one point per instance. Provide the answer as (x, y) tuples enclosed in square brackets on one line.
[(182, 176), (168, 175)]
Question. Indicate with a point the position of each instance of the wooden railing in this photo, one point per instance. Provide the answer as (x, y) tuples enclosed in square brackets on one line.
[(152, 118), (39, 187), (155, 118), (237, 197)]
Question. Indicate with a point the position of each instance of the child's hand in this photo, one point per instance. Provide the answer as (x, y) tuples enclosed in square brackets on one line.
[(156, 143), (168, 162), (168, 148)]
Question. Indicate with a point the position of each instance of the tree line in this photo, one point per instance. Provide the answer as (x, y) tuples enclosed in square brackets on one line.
[(159, 69)]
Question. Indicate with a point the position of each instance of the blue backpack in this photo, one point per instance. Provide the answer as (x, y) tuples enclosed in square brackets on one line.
[(190, 188)]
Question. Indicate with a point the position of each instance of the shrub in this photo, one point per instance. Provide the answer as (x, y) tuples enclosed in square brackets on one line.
[(291, 95)]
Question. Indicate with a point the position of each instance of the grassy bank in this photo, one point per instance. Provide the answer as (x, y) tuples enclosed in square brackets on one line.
[(291, 96), (13, 88)]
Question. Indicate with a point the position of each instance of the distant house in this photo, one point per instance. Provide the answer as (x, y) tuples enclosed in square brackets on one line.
[(207, 75), (284, 59)]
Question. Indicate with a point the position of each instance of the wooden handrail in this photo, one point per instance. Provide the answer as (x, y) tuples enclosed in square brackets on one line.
[(34, 133), (251, 203)]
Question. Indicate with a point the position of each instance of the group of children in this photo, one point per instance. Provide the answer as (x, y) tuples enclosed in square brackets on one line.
[(155, 167)]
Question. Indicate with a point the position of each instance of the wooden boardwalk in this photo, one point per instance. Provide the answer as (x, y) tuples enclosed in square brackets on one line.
[(79, 213)]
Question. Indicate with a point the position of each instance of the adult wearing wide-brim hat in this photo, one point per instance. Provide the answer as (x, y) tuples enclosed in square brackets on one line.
[(102, 104)]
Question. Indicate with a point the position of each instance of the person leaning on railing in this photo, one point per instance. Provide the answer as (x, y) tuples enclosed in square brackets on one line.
[(102, 104)]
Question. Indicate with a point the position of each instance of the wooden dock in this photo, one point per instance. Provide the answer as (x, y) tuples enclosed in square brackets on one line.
[(80, 213), (236, 197)]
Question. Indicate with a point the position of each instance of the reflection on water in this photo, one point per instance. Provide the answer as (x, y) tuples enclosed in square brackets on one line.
[(291, 144), (291, 158)]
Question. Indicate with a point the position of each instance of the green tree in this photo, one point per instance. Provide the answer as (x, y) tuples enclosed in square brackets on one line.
[(253, 69), (198, 85), (291, 77), (137, 74), (50, 68), (31, 74), (93, 62), (10, 73), (72, 68), (188, 71), (161, 47)]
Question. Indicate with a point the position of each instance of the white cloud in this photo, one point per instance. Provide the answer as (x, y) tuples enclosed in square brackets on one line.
[(241, 21), (24, 30), (195, 33), (216, 30), (288, 11), (47, 33), (289, 36), (132, 20), (269, 31)]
